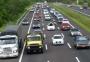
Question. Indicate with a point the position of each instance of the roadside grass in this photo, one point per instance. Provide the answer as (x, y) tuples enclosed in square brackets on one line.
[(12, 11), (16, 21), (80, 19)]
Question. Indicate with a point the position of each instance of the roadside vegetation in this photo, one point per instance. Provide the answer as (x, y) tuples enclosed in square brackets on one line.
[(79, 19), (81, 2), (11, 10)]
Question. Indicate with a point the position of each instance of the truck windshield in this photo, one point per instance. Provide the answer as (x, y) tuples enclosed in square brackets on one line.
[(4, 41), (34, 38)]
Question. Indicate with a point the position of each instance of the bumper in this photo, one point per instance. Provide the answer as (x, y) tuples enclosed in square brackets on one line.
[(67, 28), (9, 55), (34, 49), (58, 43), (50, 29), (47, 19), (82, 46)]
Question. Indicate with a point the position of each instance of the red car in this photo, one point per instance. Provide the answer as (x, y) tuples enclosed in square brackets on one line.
[(65, 26)]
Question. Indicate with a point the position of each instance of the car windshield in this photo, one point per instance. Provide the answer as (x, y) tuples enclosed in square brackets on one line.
[(74, 30), (34, 38), (4, 41), (51, 24), (57, 37), (59, 15), (82, 39), (65, 24)]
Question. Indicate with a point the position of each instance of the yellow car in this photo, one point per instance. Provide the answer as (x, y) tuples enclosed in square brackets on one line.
[(34, 43)]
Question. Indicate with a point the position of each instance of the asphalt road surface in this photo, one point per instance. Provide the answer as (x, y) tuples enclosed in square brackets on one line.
[(61, 53), (83, 11)]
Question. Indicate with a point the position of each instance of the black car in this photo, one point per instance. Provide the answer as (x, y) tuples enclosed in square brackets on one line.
[(81, 42)]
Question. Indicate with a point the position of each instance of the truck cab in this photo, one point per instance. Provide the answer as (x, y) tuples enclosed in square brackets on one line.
[(34, 43), (9, 44)]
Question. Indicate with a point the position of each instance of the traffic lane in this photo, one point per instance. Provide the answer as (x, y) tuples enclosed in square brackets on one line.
[(33, 58), (24, 27), (22, 30), (57, 53), (81, 54), (85, 11)]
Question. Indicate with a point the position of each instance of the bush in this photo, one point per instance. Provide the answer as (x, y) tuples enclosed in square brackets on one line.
[(10, 10)]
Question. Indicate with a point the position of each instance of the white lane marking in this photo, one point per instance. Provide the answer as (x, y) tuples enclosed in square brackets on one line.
[(69, 45), (77, 59), (31, 23), (71, 25), (20, 59), (62, 35), (25, 14), (58, 28), (46, 47), (55, 23), (44, 36), (48, 61), (43, 28)]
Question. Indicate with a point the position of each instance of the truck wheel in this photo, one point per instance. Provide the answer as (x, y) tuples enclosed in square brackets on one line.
[(41, 50)]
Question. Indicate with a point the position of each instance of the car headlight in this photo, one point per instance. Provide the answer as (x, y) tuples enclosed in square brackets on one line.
[(1, 52), (40, 46), (28, 47), (15, 51)]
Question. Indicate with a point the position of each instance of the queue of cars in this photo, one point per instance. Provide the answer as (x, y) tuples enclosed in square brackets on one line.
[(46, 14), (11, 43), (34, 40), (79, 40)]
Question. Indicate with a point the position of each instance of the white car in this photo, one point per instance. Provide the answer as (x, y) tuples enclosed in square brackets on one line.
[(25, 23), (58, 39), (47, 17), (51, 26), (75, 31), (52, 10)]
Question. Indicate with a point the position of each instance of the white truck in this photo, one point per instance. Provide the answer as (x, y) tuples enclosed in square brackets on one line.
[(9, 43)]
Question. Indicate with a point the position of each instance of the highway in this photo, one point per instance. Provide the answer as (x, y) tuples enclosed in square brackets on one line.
[(83, 11), (61, 53)]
